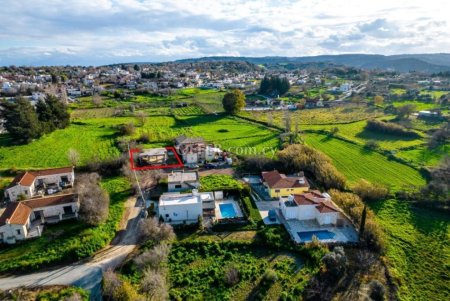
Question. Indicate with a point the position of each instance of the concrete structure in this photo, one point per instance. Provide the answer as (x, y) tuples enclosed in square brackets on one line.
[(180, 181), (312, 205), (22, 220), (183, 208), (40, 182), (153, 156), (280, 185)]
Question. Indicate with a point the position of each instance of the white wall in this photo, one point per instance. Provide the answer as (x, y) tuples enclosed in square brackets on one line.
[(10, 230), (327, 218), (56, 210), (15, 191), (307, 212), (184, 212), (289, 212)]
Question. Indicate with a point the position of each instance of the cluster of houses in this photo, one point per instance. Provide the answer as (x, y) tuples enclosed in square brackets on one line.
[(35, 198), (298, 202)]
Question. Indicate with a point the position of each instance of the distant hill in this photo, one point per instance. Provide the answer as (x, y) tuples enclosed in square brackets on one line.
[(427, 63)]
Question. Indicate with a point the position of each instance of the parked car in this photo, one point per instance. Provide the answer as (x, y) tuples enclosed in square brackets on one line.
[(209, 166), (272, 215), (191, 166)]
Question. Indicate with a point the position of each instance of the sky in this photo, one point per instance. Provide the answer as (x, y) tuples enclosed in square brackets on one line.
[(97, 32)]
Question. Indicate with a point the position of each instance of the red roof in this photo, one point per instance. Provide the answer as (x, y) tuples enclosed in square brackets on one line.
[(27, 178), (327, 206), (19, 212), (276, 180), (314, 197)]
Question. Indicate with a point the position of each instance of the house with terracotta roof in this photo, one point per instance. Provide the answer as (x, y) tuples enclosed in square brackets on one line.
[(280, 185), (22, 220), (40, 182), (312, 205)]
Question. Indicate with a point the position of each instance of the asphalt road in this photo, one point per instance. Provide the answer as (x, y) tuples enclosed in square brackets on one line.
[(88, 273)]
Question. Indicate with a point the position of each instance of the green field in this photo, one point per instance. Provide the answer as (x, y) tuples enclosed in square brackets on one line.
[(419, 105), (418, 249), (51, 150), (320, 116), (355, 163)]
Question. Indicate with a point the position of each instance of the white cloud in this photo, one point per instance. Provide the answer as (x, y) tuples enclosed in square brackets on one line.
[(107, 31)]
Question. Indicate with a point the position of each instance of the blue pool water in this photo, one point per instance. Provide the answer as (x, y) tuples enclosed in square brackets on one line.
[(227, 210), (321, 235)]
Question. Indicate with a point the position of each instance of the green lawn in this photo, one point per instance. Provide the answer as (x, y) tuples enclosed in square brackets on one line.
[(51, 150), (70, 240), (356, 132), (355, 163), (418, 249), (420, 105)]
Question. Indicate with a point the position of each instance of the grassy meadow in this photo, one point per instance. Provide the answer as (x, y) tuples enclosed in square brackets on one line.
[(418, 251), (355, 162)]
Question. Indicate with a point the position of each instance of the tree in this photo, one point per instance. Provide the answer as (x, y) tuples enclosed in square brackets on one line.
[(52, 114), (21, 120), (274, 85), (154, 258), (154, 285), (151, 229), (233, 102), (440, 136), (370, 192), (73, 156), (363, 221), (405, 111), (336, 262), (378, 100), (94, 201), (136, 67)]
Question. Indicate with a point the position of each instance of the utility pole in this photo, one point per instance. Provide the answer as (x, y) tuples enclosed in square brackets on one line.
[(137, 180)]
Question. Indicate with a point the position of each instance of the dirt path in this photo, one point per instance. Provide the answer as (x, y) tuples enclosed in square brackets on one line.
[(88, 273)]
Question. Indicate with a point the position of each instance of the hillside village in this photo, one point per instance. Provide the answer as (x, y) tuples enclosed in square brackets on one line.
[(224, 179)]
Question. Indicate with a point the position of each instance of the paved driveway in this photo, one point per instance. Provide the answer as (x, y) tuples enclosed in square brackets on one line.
[(264, 207), (88, 273)]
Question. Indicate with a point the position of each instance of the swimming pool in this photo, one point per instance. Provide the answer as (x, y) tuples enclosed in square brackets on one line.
[(320, 234), (227, 210)]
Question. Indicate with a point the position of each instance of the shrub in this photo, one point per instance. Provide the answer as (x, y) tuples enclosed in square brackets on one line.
[(298, 157), (231, 276), (335, 262), (127, 129), (154, 258), (389, 128), (372, 145), (377, 290), (370, 192), (270, 277)]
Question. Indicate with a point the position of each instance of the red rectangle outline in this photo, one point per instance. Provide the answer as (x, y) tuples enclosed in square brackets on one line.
[(169, 148)]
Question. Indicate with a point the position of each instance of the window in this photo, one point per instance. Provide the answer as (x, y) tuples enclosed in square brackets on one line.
[(18, 232), (178, 186), (26, 192), (277, 190)]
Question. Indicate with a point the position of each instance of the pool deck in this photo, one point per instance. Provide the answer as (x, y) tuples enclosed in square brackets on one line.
[(236, 207), (344, 234)]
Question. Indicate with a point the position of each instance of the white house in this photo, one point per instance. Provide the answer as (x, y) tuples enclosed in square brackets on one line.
[(179, 181), (22, 220), (312, 205), (39, 182), (183, 208), (344, 87)]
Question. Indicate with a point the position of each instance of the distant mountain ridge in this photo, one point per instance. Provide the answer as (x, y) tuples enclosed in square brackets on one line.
[(427, 63)]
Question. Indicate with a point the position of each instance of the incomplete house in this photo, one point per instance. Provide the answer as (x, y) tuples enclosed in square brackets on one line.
[(22, 220), (154, 156), (183, 208), (40, 182), (280, 185), (181, 181), (312, 205)]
